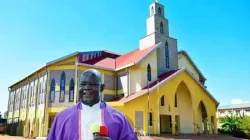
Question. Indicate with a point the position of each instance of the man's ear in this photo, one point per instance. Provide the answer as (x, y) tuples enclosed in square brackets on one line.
[(102, 87)]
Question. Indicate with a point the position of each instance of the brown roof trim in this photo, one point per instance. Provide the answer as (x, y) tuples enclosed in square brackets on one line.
[(143, 92)]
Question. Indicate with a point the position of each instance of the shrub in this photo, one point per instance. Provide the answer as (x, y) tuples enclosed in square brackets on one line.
[(237, 126)]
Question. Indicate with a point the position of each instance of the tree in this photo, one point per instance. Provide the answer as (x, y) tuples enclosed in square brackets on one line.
[(0, 115)]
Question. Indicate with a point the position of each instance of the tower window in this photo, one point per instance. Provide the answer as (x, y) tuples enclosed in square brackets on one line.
[(152, 10), (149, 72), (161, 28), (167, 54), (159, 11)]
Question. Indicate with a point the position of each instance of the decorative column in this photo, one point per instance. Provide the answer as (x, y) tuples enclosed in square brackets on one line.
[(215, 125), (210, 125), (173, 123), (195, 123), (205, 122)]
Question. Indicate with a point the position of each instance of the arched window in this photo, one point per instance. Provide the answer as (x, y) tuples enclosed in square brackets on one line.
[(149, 72), (159, 11), (152, 10), (175, 100), (161, 28), (62, 86), (52, 89), (71, 90), (167, 54), (162, 100)]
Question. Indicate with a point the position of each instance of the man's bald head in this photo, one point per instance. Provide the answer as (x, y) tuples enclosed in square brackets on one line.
[(91, 87), (93, 73)]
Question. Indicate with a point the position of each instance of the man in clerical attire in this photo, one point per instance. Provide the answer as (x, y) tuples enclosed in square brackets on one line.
[(74, 123)]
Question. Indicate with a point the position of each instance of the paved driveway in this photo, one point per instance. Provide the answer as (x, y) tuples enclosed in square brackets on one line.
[(168, 137)]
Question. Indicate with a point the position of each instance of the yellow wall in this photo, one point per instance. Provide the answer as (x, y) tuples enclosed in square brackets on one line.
[(138, 73), (135, 79), (184, 109), (184, 62), (151, 59), (23, 114), (169, 90), (16, 114)]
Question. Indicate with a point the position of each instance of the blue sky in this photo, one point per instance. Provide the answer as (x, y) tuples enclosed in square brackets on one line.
[(215, 33)]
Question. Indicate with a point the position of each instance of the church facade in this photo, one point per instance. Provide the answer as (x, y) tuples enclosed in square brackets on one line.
[(158, 88)]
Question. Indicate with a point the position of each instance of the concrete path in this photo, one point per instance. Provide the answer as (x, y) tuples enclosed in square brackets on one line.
[(167, 137)]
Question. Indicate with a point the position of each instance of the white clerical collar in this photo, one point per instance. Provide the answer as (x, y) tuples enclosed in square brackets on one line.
[(94, 107)]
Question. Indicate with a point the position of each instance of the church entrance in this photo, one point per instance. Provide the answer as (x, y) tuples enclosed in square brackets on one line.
[(165, 124)]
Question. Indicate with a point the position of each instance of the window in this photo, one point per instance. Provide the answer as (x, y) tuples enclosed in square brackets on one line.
[(71, 89), (149, 72), (162, 100), (175, 100), (167, 54), (237, 112), (170, 120), (39, 99), (152, 10), (150, 119), (161, 28), (62, 86), (159, 11), (52, 89)]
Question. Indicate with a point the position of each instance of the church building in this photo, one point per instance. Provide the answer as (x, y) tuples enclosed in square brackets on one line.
[(157, 87)]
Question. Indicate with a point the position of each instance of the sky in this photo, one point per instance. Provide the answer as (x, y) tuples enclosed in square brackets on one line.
[(215, 33)]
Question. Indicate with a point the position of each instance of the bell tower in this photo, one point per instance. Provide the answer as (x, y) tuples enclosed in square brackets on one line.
[(156, 21), (157, 25), (158, 31)]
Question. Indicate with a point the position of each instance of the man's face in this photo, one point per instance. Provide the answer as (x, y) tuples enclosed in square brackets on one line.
[(90, 89)]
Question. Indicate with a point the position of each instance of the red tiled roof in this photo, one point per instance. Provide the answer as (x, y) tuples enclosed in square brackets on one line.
[(162, 77), (104, 62), (123, 60), (132, 57), (151, 86)]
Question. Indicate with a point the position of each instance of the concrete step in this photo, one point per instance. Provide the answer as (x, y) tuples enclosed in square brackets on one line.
[(145, 138), (41, 138)]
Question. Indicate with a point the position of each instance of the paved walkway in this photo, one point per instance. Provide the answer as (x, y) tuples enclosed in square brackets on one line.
[(167, 137), (192, 137)]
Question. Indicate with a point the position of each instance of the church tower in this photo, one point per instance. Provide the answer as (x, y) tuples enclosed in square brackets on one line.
[(158, 31), (157, 22)]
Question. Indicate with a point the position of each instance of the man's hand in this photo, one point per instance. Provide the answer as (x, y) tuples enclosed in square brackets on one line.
[(101, 138)]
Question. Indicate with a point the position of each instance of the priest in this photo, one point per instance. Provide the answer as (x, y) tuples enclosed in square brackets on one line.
[(74, 123)]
